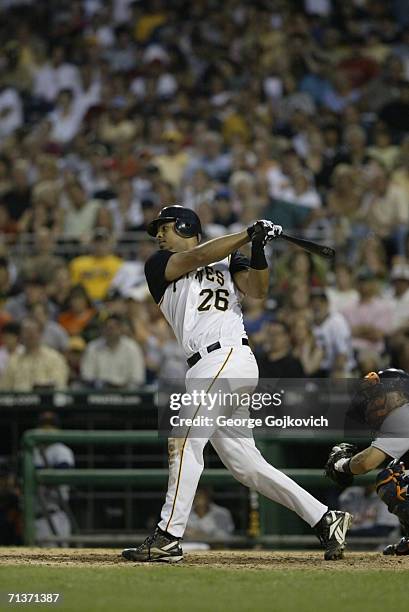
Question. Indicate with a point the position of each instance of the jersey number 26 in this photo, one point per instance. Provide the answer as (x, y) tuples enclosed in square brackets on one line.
[(221, 301)]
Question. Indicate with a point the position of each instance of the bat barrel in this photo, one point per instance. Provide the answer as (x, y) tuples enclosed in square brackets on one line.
[(312, 247)]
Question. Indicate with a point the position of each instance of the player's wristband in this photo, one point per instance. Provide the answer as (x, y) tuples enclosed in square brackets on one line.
[(342, 465), (258, 259), (251, 231)]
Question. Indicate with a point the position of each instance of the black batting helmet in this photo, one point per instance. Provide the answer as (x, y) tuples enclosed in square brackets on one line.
[(187, 223), (391, 379), (371, 393)]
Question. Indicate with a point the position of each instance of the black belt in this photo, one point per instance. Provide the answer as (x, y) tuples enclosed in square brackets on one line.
[(212, 347), (50, 512)]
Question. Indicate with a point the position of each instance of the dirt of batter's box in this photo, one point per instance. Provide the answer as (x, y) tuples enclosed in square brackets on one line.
[(246, 559)]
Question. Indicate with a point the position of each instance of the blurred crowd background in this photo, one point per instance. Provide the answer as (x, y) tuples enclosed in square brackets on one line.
[(292, 110)]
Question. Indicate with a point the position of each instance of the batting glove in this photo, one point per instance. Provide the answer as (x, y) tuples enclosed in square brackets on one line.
[(263, 231)]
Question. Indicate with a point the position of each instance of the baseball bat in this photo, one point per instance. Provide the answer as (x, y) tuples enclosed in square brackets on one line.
[(311, 247)]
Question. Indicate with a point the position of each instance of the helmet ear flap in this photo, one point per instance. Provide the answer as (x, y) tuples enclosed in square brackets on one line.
[(184, 228)]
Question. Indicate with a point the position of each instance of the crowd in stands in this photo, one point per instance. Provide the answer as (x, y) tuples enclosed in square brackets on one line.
[(292, 110)]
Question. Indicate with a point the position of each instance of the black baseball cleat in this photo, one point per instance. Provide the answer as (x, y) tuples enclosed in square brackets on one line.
[(331, 532), (160, 546), (401, 548)]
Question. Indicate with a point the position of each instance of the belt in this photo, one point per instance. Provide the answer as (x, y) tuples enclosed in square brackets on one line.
[(212, 347), (40, 515)]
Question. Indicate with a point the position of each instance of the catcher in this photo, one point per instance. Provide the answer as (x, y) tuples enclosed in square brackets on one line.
[(382, 402)]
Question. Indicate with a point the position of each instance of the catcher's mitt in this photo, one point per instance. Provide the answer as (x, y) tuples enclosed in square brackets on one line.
[(340, 451)]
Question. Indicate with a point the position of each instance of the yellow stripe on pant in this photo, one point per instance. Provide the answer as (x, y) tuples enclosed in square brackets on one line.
[(187, 435)]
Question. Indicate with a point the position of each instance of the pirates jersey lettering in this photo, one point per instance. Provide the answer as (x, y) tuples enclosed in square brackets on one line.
[(202, 306)]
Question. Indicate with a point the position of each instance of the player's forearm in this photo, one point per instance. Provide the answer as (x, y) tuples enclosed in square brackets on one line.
[(257, 284), (365, 461), (219, 248)]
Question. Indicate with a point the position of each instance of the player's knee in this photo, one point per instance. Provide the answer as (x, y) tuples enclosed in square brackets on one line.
[(248, 477), (195, 447), (391, 487)]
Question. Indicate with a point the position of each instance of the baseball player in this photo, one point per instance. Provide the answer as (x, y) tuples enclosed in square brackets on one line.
[(52, 509), (198, 289), (382, 402)]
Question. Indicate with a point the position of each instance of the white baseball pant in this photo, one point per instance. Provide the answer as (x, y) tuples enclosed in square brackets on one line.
[(229, 368)]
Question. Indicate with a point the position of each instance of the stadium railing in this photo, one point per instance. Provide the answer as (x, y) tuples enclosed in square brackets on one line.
[(266, 511)]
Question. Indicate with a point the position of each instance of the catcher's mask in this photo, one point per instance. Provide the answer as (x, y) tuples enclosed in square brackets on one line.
[(369, 402), (187, 223)]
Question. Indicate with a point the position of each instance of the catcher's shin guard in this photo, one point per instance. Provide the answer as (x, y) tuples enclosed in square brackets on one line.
[(391, 486)]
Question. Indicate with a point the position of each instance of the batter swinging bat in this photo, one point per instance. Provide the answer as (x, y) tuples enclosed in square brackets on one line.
[(312, 247)]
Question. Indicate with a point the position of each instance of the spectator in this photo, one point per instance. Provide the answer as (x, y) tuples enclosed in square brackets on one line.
[(8, 227), (165, 361), (299, 266), (59, 288), (36, 366), (224, 217), (173, 161), (396, 113), (343, 205), (95, 272), (385, 88), (80, 212), (11, 516), (400, 176), (43, 262), (211, 158), (52, 76), (296, 304), (122, 55), (400, 283), (126, 209), (208, 520), (11, 111), (115, 126), (305, 347), (52, 334), (5, 178), (277, 359), (113, 361), (383, 151), (302, 191), (199, 190), (79, 313), (131, 274), (45, 212), (340, 94), (385, 210), (343, 294), (255, 317), (370, 320), (371, 516), (333, 336), (73, 355), (368, 361), (10, 338), (18, 199), (65, 119), (7, 288), (371, 254), (34, 291)]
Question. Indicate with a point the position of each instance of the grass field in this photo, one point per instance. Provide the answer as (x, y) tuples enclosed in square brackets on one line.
[(99, 580)]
